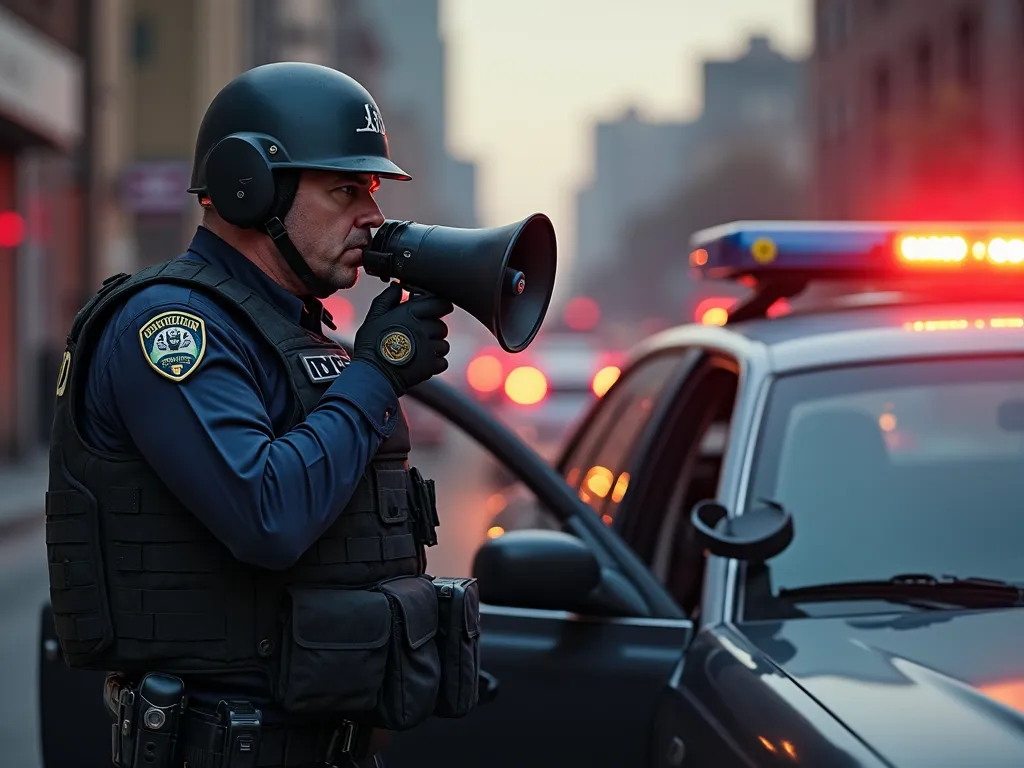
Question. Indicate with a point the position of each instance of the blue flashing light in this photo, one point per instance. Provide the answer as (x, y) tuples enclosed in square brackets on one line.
[(841, 249)]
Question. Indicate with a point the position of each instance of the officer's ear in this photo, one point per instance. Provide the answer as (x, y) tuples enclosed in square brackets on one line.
[(209, 212)]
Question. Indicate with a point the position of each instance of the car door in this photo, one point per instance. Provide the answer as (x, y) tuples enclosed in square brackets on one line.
[(574, 687)]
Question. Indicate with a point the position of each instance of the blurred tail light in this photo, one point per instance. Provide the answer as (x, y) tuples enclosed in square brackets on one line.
[(526, 385), (714, 310), (604, 379), (484, 373)]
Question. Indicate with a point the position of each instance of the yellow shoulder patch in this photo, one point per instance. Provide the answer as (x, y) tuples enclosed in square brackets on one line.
[(174, 343)]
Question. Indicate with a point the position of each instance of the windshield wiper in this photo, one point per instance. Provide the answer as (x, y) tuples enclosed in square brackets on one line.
[(917, 589)]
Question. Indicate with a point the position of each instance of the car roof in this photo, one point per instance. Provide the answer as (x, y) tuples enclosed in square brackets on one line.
[(851, 335)]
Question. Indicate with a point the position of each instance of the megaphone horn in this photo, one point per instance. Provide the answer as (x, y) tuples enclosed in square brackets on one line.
[(502, 276)]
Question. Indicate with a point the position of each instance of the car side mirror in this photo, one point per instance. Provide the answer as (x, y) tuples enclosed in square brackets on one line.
[(755, 536), (536, 569)]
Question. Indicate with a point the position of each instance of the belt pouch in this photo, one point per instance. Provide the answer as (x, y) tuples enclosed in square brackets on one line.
[(413, 668), (334, 650), (458, 645)]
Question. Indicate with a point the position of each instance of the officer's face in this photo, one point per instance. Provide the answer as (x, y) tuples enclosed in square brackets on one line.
[(330, 222)]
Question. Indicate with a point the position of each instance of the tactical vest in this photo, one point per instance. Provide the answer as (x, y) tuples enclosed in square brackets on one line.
[(138, 583)]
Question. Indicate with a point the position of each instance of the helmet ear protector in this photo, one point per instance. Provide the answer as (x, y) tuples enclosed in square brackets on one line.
[(240, 178)]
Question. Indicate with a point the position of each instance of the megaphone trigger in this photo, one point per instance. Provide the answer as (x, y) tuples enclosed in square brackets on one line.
[(483, 271)]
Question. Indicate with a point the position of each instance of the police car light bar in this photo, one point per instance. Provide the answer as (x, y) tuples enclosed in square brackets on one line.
[(839, 249)]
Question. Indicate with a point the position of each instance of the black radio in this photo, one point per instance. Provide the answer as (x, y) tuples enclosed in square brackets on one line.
[(146, 731)]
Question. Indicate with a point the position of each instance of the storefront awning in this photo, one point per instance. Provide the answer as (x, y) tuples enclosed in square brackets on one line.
[(41, 84)]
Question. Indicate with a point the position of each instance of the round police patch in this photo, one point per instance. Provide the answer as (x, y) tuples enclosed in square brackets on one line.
[(174, 343), (396, 347)]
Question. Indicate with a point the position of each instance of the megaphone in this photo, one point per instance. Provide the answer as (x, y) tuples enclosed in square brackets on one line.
[(502, 276)]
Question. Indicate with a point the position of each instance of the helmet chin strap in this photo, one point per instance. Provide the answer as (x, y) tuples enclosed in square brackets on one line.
[(319, 288), (286, 183)]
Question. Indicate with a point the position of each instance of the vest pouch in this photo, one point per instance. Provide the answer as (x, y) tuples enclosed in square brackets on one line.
[(392, 494), (458, 645), (334, 650), (78, 584), (414, 669)]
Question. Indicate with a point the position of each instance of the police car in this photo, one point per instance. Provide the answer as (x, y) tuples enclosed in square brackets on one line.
[(787, 540)]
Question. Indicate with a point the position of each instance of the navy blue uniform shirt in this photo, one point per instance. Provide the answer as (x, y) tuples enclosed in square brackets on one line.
[(217, 439)]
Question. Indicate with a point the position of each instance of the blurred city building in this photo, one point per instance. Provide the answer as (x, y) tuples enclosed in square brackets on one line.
[(42, 167), (172, 60), (755, 104), (99, 105), (918, 111)]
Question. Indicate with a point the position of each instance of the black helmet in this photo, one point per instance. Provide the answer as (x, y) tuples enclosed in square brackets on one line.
[(269, 124), (318, 118)]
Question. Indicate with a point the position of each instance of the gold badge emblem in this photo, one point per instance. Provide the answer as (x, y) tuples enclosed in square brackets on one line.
[(396, 347)]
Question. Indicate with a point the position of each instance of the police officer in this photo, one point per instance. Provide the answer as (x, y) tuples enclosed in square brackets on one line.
[(232, 522)]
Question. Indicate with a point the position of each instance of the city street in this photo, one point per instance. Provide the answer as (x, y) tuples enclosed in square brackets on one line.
[(457, 466)]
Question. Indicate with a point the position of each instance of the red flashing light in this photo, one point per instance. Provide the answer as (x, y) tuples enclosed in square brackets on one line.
[(954, 249), (12, 229), (962, 324)]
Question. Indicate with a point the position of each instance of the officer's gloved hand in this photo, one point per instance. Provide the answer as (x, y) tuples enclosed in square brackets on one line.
[(404, 340)]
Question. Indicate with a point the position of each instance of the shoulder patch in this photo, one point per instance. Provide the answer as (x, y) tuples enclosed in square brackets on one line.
[(174, 343)]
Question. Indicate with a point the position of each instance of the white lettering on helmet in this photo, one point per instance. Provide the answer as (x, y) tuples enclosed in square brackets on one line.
[(374, 123)]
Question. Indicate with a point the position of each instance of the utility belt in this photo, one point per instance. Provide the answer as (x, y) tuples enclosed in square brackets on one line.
[(381, 658), (154, 727)]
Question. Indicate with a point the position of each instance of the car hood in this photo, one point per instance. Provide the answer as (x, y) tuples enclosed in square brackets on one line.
[(929, 688)]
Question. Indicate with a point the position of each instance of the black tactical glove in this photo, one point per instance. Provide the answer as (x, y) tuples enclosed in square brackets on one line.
[(404, 340)]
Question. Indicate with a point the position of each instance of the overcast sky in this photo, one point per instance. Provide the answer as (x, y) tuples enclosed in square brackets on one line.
[(528, 77)]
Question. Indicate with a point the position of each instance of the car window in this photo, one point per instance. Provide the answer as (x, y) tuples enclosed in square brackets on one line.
[(597, 465), (683, 470), (696, 469), (894, 469)]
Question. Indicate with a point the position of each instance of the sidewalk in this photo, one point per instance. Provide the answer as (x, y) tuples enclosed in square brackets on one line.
[(22, 493)]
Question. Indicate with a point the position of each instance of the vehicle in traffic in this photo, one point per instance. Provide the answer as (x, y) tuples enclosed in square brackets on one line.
[(541, 393), (789, 540)]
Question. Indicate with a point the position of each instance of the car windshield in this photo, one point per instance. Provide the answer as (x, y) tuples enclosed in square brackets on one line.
[(893, 469)]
